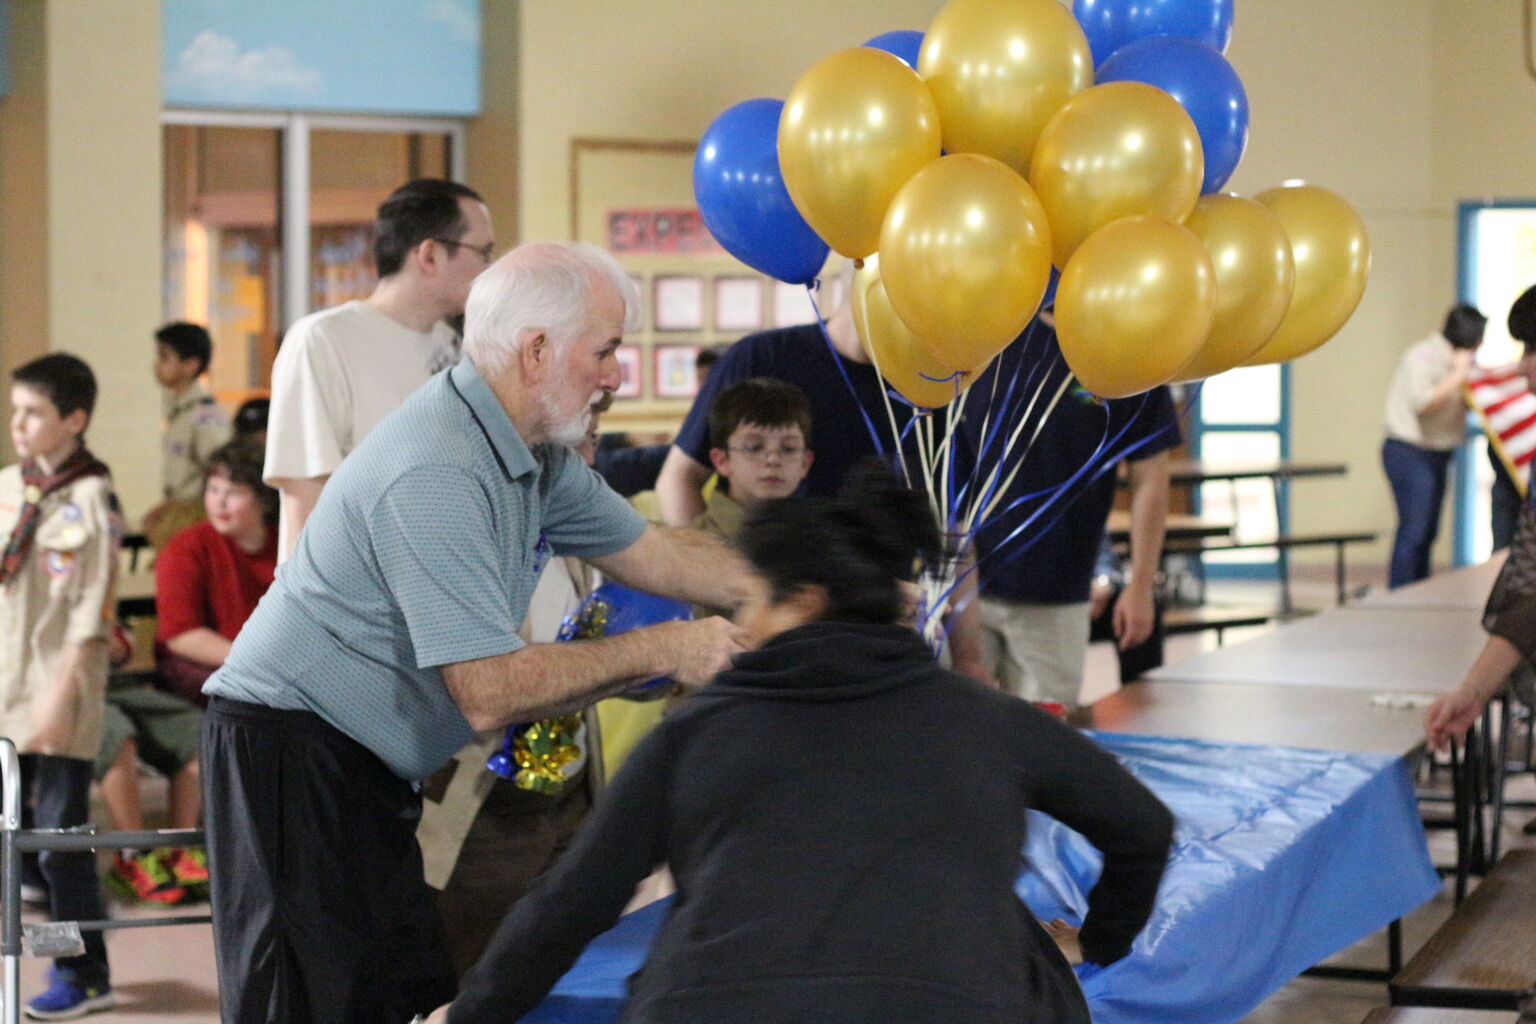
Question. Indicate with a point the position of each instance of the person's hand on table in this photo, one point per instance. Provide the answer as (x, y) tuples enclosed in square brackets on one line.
[(1065, 937), (1450, 717)]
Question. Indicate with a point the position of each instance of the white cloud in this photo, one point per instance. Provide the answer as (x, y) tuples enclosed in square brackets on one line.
[(215, 63), (459, 16)]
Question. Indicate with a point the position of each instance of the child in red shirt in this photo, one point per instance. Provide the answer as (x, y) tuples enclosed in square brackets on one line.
[(210, 576)]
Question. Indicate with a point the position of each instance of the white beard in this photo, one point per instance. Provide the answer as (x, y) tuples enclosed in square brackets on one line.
[(569, 431)]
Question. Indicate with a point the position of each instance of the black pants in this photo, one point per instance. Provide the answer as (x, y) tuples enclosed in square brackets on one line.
[(320, 912), (1504, 503), (55, 793)]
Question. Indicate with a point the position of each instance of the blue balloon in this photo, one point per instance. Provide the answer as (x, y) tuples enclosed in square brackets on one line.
[(1204, 83), (1111, 24), (903, 43), (743, 199)]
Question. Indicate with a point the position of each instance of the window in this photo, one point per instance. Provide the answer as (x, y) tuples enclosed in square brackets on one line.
[(247, 255)]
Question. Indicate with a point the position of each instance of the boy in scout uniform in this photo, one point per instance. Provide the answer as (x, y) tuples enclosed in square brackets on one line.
[(60, 525), (194, 426)]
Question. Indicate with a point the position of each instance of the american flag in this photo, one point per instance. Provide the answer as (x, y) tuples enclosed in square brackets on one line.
[(1506, 406)]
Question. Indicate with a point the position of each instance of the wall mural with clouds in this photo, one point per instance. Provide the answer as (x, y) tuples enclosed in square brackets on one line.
[(349, 56)]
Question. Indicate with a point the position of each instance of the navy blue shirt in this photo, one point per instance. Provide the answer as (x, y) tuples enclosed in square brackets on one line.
[(800, 355), (1082, 430)]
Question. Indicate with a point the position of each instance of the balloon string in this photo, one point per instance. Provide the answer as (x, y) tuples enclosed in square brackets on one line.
[(837, 359), (999, 414)]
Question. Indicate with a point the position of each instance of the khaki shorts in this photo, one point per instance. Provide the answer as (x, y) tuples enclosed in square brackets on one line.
[(166, 728), (1036, 651)]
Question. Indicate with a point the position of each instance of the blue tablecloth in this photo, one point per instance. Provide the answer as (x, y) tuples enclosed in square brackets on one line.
[(1282, 857)]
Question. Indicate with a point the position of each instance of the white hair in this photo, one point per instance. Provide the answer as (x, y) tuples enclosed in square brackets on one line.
[(541, 286)]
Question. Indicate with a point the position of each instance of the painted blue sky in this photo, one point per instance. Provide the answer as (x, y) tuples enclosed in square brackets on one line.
[(374, 56)]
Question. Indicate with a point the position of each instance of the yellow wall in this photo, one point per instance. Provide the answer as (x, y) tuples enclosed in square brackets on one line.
[(103, 230), (493, 142), (23, 198)]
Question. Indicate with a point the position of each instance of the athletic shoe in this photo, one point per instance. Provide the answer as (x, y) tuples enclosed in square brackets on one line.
[(189, 867), (66, 999), (144, 879)]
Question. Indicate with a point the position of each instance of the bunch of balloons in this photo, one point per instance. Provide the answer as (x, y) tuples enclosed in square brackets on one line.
[(1015, 135)]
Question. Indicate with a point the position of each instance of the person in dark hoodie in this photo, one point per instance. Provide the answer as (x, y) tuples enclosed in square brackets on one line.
[(843, 817)]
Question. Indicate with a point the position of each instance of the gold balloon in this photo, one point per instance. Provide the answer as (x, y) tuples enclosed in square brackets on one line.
[(901, 358), (1333, 260), (1134, 305), (856, 126), (1254, 277), (999, 69), (966, 257), (1116, 150)]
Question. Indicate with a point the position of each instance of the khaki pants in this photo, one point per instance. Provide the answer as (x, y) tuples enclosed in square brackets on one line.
[(1036, 650)]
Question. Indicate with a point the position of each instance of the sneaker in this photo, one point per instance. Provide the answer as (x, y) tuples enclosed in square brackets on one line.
[(144, 879), (189, 867), (66, 999)]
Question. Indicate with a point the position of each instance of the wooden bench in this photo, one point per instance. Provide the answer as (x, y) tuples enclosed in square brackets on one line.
[(1181, 619), (1437, 1015), (1484, 956)]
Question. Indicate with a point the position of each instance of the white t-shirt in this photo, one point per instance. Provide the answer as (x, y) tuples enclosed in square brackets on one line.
[(338, 373), (1422, 367)]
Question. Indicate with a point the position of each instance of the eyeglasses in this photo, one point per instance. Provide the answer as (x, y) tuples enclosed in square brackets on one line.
[(483, 251), (760, 452)]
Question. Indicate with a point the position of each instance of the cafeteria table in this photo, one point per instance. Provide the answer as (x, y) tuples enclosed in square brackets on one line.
[(1282, 857)]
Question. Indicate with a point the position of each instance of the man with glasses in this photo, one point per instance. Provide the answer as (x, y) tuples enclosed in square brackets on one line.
[(340, 371)]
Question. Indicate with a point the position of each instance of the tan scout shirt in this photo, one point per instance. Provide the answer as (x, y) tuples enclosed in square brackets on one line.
[(194, 426), (63, 594)]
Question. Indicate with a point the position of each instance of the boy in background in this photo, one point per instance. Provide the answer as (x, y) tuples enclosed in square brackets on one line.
[(61, 523), (194, 423), (757, 443)]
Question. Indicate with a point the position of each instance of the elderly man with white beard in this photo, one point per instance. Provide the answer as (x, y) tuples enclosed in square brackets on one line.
[(391, 636)]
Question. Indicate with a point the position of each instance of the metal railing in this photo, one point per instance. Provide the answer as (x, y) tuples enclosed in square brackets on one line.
[(15, 841)]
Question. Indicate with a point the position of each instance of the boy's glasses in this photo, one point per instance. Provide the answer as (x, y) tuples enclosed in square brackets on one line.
[(760, 452)]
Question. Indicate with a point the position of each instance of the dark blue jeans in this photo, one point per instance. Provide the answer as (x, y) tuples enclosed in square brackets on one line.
[(1418, 477), (1505, 503), (56, 794)]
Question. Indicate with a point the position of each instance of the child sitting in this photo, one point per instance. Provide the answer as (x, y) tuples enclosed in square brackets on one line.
[(832, 864), (62, 529), (757, 437), (210, 576)]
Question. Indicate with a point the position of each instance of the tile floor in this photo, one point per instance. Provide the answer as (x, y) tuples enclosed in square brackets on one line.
[(166, 975)]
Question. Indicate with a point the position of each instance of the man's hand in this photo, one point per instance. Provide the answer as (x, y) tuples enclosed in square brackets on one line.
[(703, 648), (439, 1015), (1135, 615), (1450, 717), (1065, 937)]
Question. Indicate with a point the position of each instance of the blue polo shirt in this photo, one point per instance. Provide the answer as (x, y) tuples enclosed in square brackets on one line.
[(1082, 431), (840, 436), (423, 550)]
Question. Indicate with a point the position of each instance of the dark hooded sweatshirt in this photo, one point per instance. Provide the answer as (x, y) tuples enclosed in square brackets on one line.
[(844, 821)]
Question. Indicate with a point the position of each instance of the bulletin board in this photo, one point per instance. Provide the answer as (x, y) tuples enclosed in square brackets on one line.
[(634, 198)]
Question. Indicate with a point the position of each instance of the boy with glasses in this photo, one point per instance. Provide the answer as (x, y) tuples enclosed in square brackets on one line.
[(758, 429)]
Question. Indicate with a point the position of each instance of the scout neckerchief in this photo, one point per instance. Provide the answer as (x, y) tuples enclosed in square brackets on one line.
[(35, 487)]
